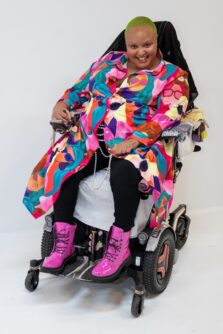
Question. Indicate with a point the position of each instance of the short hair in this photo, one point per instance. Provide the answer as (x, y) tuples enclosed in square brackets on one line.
[(141, 21)]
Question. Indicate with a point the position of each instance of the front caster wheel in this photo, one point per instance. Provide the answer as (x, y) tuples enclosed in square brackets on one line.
[(32, 280), (137, 305)]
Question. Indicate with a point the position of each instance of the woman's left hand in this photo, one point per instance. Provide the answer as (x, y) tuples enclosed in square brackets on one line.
[(124, 147)]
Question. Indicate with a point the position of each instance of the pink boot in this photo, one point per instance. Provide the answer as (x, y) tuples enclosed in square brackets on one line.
[(63, 249), (116, 257)]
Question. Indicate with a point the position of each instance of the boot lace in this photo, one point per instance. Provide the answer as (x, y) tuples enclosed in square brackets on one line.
[(116, 245), (61, 242)]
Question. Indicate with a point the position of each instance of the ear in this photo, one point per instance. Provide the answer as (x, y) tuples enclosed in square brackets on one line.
[(159, 53)]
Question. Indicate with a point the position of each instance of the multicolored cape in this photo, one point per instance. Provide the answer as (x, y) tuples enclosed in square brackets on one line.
[(146, 103)]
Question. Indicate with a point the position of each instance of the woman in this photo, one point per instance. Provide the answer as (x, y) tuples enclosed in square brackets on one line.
[(126, 100)]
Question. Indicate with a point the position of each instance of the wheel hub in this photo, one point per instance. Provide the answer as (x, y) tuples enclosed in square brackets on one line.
[(162, 265)]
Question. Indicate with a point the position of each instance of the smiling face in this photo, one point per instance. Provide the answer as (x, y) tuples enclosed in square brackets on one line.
[(141, 44)]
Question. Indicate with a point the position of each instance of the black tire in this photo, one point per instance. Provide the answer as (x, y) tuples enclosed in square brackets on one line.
[(32, 280), (182, 231), (137, 305), (153, 281), (47, 244)]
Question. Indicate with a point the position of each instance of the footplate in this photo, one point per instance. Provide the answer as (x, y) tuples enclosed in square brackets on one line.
[(78, 269)]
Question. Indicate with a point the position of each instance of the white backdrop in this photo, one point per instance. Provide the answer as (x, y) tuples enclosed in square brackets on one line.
[(47, 44)]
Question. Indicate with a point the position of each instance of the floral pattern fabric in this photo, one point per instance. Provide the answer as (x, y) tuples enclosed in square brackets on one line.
[(146, 103)]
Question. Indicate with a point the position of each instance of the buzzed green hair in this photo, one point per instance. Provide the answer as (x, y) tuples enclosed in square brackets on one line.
[(141, 21)]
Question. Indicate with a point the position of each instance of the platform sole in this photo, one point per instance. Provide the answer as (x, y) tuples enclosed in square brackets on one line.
[(113, 277), (59, 270)]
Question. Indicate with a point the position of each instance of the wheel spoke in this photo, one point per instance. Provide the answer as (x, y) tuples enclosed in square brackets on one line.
[(163, 261)]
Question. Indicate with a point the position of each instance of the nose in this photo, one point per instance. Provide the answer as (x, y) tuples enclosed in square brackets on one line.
[(141, 52)]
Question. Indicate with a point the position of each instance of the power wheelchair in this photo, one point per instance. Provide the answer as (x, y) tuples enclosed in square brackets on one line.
[(154, 251)]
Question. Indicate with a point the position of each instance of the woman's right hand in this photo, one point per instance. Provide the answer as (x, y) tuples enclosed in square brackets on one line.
[(60, 112)]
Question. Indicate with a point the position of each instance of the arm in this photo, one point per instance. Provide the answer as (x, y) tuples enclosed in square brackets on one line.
[(171, 105), (72, 98)]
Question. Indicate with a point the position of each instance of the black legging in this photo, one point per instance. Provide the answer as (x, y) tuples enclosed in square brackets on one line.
[(124, 179)]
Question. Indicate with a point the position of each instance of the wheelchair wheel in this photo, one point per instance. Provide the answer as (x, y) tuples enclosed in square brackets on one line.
[(158, 265), (32, 280), (182, 231), (137, 305), (47, 244)]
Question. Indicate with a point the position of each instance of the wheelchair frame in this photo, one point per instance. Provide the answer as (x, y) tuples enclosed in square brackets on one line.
[(154, 251)]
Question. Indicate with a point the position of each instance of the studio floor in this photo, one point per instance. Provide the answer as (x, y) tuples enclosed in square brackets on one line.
[(192, 302)]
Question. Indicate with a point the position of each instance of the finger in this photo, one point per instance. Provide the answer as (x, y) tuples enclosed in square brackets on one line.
[(114, 149), (64, 115), (121, 149), (125, 148), (128, 148), (67, 113), (60, 117)]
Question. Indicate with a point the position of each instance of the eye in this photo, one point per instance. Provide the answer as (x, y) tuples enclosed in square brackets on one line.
[(133, 46), (147, 45)]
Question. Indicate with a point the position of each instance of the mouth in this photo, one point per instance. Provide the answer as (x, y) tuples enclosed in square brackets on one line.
[(142, 59)]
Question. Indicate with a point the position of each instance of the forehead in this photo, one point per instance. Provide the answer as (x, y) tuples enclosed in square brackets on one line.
[(140, 34)]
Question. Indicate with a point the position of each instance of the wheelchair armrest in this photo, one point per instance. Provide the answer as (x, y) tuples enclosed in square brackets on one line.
[(179, 132), (167, 134)]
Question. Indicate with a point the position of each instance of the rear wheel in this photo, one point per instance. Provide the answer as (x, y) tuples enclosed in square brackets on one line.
[(158, 265)]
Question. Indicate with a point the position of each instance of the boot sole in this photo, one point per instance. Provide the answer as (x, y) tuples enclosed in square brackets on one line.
[(59, 270), (113, 277)]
